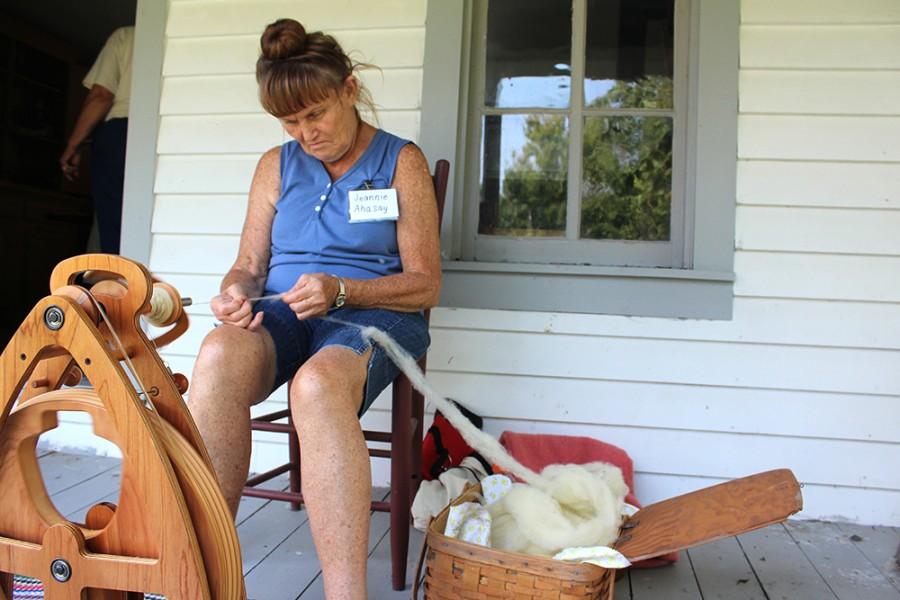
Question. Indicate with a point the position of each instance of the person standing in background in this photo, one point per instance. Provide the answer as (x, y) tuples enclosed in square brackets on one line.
[(105, 113)]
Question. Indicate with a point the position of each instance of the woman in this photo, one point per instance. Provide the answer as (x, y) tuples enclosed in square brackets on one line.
[(302, 239)]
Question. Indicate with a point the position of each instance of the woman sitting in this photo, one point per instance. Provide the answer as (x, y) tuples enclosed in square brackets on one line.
[(322, 230)]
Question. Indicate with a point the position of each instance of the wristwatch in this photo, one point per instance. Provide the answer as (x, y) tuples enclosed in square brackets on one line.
[(342, 293)]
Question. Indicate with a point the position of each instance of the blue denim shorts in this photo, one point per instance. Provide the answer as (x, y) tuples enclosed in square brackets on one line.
[(296, 341)]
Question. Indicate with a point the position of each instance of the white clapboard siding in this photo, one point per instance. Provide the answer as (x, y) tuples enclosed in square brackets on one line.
[(819, 137), (218, 55), (827, 501), (817, 276), (805, 183), (404, 123), (871, 46), (667, 361), (639, 404), (690, 452), (803, 376), (254, 134), (205, 174), (832, 231), (820, 92), (756, 320), (199, 213), (209, 94), (393, 89), (778, 12), (219, 134), (232, 17), (235, 54), (209, 253)]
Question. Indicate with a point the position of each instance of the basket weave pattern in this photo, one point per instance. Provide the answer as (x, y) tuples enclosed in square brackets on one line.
[(457, 570), (450, 577)]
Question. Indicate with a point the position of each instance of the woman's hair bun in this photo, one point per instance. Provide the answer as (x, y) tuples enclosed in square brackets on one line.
[(284, 38)]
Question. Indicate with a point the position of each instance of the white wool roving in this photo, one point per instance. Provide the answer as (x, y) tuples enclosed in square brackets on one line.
[(563, 506), (582, 508)]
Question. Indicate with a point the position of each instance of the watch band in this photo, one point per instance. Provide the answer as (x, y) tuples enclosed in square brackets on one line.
[(342, 293)]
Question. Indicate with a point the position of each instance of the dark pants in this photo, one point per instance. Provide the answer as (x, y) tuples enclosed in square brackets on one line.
[(108, 179)]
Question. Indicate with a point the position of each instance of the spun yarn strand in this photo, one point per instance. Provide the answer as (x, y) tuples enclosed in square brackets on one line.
[(486, 444), (255, 299)]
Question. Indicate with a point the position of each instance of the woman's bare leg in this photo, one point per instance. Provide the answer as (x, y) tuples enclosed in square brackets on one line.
[(326, 395), (234, 370)]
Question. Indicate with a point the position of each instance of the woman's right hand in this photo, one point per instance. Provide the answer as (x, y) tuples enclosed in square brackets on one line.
[(232, 307)]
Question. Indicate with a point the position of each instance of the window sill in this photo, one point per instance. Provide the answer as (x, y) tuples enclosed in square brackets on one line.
[(631, 291)]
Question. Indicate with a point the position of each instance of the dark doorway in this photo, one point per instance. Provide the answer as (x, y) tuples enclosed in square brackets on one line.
[(46, 48)]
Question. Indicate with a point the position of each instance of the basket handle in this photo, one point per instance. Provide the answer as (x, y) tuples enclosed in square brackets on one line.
[(420, 562)]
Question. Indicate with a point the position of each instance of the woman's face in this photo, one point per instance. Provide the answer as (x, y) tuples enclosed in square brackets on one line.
[(326, 130)]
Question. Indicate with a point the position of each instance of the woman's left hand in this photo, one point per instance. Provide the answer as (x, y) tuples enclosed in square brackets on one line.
[(312, 295)]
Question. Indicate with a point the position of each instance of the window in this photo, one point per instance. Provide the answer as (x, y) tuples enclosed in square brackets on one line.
[(575, 112), (595, 146)]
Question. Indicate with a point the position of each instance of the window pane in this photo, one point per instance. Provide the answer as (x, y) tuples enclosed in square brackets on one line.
[(627, 190), (629, 56), (528, 53), (523, 175)]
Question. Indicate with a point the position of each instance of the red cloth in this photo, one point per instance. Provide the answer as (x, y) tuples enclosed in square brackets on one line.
[(536, 451)]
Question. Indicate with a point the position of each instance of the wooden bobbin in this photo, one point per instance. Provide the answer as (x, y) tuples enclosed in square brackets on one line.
[(174, 298)]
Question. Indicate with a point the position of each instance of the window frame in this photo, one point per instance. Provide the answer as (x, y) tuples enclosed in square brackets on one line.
[(573, 249), (702, 288)]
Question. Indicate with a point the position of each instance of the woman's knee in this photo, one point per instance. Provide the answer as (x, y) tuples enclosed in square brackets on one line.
[(331, 381), (230, 352), (226, 345)]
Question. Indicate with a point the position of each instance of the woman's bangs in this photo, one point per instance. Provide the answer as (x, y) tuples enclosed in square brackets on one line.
[(292, 88)]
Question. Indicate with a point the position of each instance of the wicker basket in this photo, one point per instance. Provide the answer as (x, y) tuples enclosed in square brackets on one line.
[(457, 570)]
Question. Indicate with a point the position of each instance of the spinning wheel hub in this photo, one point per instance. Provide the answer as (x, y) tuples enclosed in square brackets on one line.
[(54, 318), (61, 570)]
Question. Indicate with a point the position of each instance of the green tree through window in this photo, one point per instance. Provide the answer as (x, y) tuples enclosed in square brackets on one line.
[(627, 170)]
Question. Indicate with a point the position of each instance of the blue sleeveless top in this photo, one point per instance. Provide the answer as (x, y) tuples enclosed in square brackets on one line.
[(311, 231)]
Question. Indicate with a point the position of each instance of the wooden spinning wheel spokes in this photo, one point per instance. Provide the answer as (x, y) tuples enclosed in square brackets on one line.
[(154, 480), (172, 532), (36, 516)]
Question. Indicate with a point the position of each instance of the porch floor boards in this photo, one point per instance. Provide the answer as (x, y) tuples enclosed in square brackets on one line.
[(801, 560)]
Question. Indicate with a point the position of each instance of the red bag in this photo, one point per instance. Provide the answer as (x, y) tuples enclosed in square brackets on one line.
[(443, 446)]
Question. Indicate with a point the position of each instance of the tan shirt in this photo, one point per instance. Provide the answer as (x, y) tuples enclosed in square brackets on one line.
[(112, 70)]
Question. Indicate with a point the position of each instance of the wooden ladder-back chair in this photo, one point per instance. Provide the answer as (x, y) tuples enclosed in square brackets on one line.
[(405, 439)]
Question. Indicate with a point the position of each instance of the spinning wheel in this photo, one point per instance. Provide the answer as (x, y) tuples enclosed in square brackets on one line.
[(171, 533)]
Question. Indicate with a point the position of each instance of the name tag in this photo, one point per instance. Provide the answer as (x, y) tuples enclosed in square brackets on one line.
[(373, 205)]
